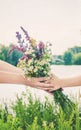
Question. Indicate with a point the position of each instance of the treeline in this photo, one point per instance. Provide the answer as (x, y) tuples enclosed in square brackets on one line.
[(10, 58), (70, 57)]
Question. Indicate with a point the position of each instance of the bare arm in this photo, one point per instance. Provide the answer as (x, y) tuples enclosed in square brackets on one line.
[(14, 75), (70, 82), (62, 83), (4, 66), (13, 78)]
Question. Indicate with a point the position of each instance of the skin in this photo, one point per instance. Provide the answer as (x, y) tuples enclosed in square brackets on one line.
[(62, 83), (14, 75)]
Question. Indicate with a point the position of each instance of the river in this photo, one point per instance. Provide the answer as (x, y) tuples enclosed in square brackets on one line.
[(8, 91)]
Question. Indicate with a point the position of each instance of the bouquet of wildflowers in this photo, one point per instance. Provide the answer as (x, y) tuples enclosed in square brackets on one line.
[(36, 63), (36, 56)]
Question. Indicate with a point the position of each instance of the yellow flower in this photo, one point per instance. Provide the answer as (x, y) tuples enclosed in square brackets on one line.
[(33, 42)]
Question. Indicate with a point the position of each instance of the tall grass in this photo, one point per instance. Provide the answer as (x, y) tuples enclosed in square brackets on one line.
[(35, 115)]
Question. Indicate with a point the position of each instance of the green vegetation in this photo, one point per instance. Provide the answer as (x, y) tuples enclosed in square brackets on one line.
[(72, 56), (12, 58), (35, 115), (68, 58), (77, 59)]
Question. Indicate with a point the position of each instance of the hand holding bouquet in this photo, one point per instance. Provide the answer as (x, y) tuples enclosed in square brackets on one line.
[(35, 62)]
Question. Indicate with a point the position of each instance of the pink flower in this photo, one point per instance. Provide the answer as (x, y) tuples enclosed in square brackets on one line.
[(22, 49), (41, 45), (26, 57), (13, 47)]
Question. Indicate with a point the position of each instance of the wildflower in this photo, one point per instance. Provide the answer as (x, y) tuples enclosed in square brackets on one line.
[(21, 49), (33, 42), (18, 35), (11, 49), (26, 34), (41, 48), (41, 45), (26, 57)]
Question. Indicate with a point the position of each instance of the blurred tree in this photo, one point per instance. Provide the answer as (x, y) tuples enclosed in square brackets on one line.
[(77, 59), (12, 58), (75, 49), (15, 56), (68, 58), (3, 52)]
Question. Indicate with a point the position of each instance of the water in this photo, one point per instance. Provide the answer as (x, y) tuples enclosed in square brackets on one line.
[(8, 91)]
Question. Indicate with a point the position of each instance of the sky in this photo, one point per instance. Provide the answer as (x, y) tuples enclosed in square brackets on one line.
[(56, 21)]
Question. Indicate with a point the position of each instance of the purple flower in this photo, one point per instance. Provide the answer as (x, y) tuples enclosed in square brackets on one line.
[(19, 39), (41, 48), (18, 35), (21, 43), (26, 34)]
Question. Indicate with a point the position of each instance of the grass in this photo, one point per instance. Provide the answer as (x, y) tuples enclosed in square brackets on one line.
[(34, 115)]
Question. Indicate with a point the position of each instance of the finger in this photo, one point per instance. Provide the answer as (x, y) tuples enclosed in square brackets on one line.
[(45, 85), (42, 79), (49, 93), (35, 79), (52, 90), (46, 89), (48, 81)]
